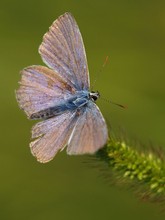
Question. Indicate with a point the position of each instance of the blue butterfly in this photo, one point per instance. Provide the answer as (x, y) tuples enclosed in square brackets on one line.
[(60, 96)]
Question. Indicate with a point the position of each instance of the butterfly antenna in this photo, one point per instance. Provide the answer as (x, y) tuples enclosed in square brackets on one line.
[(114, 103), (100, 71)]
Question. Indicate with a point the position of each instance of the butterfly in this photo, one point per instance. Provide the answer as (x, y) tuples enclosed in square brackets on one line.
[(59, 95)]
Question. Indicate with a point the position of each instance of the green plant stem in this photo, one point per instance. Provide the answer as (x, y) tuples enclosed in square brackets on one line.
[(143, 170)]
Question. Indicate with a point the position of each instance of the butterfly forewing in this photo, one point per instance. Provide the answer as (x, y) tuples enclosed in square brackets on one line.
[(90, 132), (41, 88), (63, 50)]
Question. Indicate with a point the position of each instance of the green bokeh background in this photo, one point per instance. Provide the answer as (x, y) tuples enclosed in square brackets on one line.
[(132, 33)]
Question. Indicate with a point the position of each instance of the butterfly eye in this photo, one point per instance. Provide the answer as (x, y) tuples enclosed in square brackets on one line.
[(94, 96)]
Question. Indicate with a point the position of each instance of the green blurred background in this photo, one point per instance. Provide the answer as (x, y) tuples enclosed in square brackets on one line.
[(132, 34)]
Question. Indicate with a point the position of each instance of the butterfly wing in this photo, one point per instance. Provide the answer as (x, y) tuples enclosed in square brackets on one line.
[(52, 135), (41, 88), (63, 50), (90, 132)]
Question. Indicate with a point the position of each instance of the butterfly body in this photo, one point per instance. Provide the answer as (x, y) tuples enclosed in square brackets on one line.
[(75, 102), (59, 96)]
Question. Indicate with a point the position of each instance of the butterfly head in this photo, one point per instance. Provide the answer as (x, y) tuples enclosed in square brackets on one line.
[(94, 95)]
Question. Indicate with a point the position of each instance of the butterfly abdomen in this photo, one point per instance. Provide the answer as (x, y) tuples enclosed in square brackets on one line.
[(46, 113)]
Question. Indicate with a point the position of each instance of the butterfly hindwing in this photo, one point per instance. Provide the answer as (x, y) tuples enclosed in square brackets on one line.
[(90, 132), (52, 135)]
